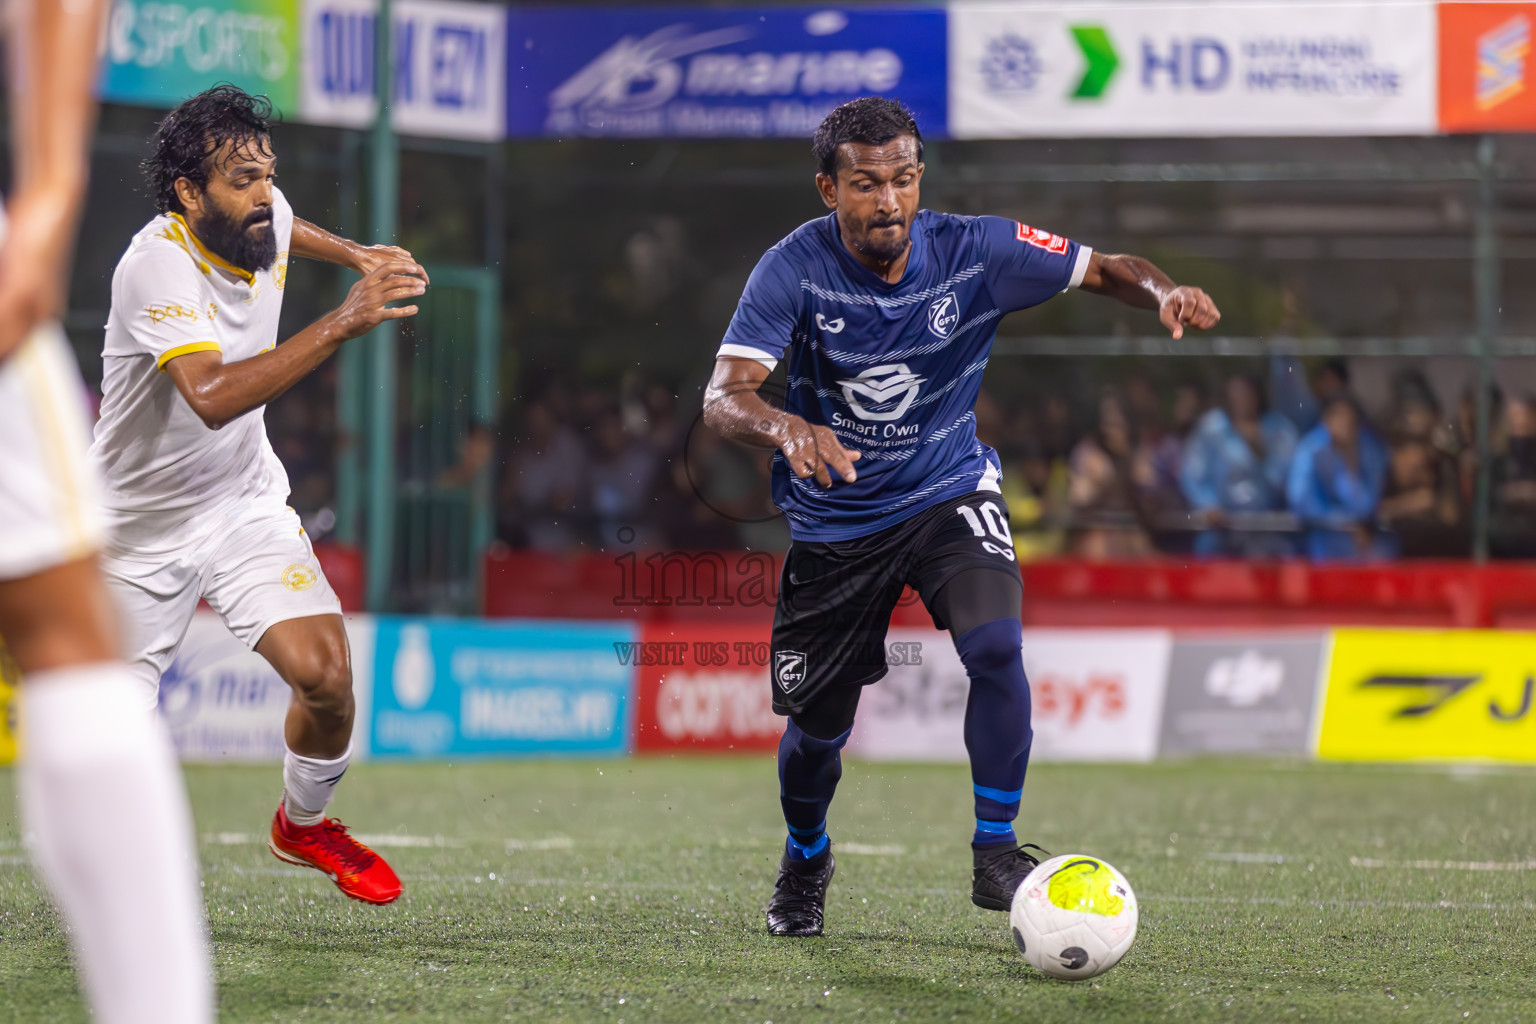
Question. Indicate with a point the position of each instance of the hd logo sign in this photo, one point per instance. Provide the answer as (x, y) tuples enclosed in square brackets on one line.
[(1423, 695)]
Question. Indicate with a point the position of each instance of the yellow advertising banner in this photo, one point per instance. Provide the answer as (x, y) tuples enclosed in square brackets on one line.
[(1438, 695), (10, 679)]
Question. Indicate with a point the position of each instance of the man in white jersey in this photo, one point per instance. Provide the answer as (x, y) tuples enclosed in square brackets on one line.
[(195, 496), (97, 773)]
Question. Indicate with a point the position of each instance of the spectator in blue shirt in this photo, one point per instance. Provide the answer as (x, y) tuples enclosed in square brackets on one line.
[(1234, 465), (1335, 486)]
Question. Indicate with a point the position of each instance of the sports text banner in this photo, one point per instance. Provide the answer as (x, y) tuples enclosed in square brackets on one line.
[(449, 66), (1097, 695), (694, 71), (1485, 53), (1234, 693), (1409, 695), (1312, 67), (704, 688), (158, 54), (456, 688)]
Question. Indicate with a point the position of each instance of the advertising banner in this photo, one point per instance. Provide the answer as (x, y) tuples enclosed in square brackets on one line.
[(1241, 694), (449, 66), (652, 72), (704, 688), (446, 688), (1484, 57), (1414, 695), (1097, 696), (158, 54), (10, 679), (1022, 69), (224, 702)]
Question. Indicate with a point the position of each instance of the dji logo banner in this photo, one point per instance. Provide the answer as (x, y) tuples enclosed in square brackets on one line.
[(1241, 694), (449, 67)]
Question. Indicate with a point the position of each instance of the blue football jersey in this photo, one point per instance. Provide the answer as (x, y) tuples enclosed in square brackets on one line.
[(893, 369)]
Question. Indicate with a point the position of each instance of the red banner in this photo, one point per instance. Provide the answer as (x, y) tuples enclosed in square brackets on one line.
[(704, 688)]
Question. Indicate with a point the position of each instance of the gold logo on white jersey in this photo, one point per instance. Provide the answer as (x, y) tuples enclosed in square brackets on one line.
[(299, 577), (280, 270), (160, 314)]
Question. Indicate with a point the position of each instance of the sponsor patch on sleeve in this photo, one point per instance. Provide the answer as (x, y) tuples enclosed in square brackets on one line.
[(1042, 239)]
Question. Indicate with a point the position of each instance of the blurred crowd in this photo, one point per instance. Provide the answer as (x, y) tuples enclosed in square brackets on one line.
[(1283, 467)]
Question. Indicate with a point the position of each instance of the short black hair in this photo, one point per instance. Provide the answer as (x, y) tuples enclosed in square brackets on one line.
[(185, 141), (872, 120)]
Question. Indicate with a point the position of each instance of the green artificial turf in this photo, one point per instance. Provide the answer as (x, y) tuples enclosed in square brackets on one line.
[(633, 891)]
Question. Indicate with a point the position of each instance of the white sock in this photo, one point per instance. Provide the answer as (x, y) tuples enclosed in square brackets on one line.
[(102, 794), (309, 784)]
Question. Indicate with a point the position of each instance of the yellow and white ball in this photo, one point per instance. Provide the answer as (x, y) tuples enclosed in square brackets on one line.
[(1074, 917)]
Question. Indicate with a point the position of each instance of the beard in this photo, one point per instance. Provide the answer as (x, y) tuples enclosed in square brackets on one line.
[(235, 242), (886, 248)]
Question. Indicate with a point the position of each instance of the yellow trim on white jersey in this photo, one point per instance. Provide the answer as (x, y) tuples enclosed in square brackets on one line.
[(210, 255), (184, 350), (43, 386)]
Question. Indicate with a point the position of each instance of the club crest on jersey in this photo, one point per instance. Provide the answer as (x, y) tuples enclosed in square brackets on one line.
[(943, 315), (830, 326), (882, 392), (788, 669), (1042, 239)]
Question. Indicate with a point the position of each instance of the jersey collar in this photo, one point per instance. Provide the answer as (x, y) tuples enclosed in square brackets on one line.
[(210, 255), (915, 258)]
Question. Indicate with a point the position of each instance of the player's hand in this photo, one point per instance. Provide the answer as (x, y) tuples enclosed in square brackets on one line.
[(367, 304), (32, 266), (1186, 305), (371, 257), (815, 451)]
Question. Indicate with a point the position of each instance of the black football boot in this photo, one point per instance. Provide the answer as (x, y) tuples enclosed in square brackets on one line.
[(800, 896), (999, 870)]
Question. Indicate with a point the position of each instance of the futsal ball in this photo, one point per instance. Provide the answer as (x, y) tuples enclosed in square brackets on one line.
[(1074, 917)]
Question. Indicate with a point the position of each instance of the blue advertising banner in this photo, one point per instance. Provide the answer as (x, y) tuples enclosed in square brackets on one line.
[(446, 687), (653, 72)]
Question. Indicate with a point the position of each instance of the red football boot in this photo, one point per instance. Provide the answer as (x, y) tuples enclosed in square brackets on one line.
[(356, 870)]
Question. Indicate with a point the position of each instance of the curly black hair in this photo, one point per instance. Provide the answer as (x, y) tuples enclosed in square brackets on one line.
[(185, 141), (872, 120)]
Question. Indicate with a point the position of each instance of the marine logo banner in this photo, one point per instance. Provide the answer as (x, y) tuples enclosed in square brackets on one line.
[(652, 72)]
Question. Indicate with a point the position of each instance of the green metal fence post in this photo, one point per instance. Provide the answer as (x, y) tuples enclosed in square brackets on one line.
[(1486, 292), (385, 202), (351, 366)]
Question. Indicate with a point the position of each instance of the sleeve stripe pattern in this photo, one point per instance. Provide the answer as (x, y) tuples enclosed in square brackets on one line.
[(747, 352), (182, 350), (1080, 268)]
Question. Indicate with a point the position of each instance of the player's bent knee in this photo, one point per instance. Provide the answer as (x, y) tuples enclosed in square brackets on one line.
[(992, 646), (325, 684)]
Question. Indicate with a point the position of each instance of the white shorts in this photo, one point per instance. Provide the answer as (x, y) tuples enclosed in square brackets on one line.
[(49, 497), (258, 570)]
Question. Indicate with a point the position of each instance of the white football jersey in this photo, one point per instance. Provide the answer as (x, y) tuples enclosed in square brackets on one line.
[(168, 478)]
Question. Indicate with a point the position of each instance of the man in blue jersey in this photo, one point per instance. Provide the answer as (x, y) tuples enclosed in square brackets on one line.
[(886, 314)]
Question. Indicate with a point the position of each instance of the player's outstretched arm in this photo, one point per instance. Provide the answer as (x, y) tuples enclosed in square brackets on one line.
[(218, 391), (1137, 282), (734, 410), (315, 243), (53, 67)]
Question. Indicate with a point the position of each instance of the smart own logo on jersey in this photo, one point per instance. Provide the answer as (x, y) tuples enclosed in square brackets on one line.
[(882, 392), (943, 315)]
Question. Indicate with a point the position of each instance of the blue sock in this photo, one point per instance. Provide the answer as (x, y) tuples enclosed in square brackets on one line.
[(809, 770), (997, 730)]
